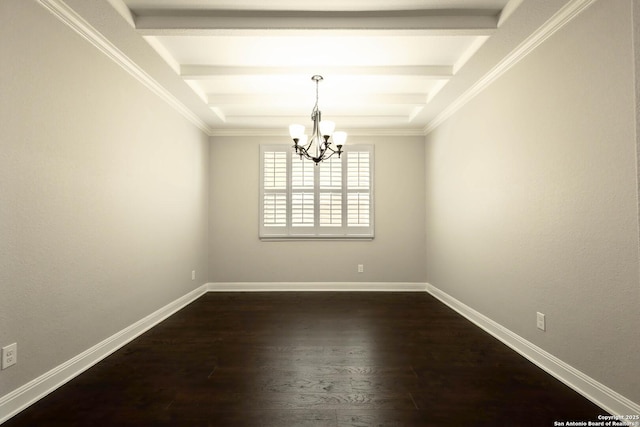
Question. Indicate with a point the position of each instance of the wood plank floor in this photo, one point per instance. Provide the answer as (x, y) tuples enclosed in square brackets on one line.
[(312, 359)]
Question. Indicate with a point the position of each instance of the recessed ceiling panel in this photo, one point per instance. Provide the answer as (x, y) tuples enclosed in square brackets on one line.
[(295, 51)]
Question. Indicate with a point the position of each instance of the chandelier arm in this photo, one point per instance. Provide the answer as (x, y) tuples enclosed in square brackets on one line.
[(330, 155), (305, 154), (324, 147), (308, 145), (338, 151)]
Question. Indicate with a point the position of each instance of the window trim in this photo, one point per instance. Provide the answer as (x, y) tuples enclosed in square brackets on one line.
[(316, 232)]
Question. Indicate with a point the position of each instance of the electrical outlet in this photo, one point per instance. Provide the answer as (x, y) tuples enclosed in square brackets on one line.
[(9, 355), (193, 275), (360, 268), (540, 322)]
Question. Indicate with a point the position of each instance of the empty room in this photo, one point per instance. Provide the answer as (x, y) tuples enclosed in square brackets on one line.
[(339, 213)]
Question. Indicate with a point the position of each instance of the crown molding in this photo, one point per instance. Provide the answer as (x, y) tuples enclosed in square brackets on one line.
[(74, 21), (549, 28)]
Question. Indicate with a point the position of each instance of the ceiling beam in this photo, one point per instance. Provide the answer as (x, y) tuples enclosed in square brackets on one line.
[(344, 121), (355, 99), (399, 130), (211, 22), (197, 72)]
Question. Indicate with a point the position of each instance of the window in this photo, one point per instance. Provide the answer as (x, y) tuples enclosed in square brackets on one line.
[(301, 200)]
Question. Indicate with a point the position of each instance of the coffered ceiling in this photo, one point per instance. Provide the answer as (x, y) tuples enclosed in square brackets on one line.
[(388, 66)]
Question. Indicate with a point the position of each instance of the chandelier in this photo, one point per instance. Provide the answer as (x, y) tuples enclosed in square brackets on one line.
[(317, 148)]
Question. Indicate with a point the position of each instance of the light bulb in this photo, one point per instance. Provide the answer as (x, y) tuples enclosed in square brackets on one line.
[(296, 131), (327, 127), (339, 138)]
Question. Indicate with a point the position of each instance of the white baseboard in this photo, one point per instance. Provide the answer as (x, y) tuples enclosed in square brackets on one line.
[(36, 389), (598, 393), (316, 286)]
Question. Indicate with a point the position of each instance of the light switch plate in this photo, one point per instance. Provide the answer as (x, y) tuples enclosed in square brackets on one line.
[(540, 322)]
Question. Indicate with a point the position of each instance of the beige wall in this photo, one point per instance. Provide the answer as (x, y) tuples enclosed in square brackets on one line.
[(103, 195), (395, 255), (532, 199)]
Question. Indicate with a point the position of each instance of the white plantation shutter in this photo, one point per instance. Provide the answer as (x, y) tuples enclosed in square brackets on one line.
[(330, 199), (302, 196), (274, 191), (330, 209), (301, 200), (275, 210), (331, 173), (275, 170), (358, 186), (302, 172), (358, 209), (358, 170), (302, 209)]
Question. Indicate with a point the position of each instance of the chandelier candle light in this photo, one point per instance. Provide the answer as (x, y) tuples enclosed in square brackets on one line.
[(318, 147)]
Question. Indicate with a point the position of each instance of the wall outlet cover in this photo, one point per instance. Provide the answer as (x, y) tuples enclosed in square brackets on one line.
[(9, 355)]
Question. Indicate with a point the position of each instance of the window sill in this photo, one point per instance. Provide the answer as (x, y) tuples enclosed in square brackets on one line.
[(314, 239)]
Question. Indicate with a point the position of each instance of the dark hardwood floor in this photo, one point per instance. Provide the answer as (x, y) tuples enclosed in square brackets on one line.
[(312, 359)]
